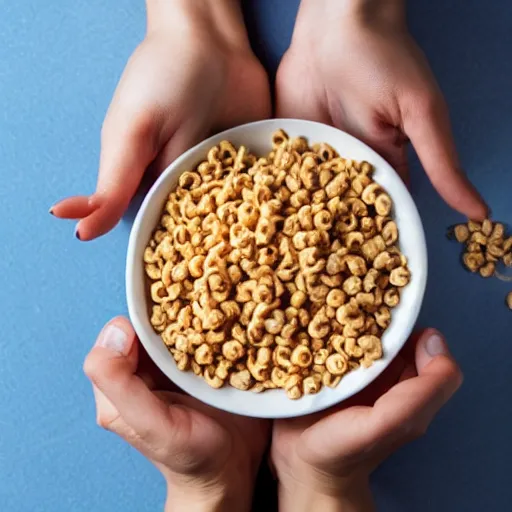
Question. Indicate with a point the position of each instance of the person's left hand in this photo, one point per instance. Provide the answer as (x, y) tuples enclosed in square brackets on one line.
[(362, 72), (209, 458), (323, 461)]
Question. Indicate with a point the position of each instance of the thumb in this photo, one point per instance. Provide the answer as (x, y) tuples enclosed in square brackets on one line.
[(401, 414), (427, 124), (409, 407), (111, 367)]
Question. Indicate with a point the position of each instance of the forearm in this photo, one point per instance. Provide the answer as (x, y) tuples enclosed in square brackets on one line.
[(301, 499), (361, 11), (221, 17)]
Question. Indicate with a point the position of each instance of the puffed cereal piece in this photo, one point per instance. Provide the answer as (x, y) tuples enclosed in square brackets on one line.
[(461, 233), (240, 380), (488, 269), (473, 261), (356, 265), (372, 348), (330, 380), (399, 276), (390, 233), (392, 297), (383, 317), (312, 384), (336, 364), (301, 356), (383, 204), (487, 227)]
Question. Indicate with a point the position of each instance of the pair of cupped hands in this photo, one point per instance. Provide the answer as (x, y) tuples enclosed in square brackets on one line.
[(194, 74)]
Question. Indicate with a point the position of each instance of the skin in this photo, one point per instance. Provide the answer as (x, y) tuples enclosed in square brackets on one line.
[(209, 458), (366, 75), (194, 59), (323, 461)]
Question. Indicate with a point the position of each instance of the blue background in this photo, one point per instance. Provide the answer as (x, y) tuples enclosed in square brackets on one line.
[(59, 64)]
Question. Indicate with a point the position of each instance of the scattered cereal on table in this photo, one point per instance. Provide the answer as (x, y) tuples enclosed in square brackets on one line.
[(486, 245)]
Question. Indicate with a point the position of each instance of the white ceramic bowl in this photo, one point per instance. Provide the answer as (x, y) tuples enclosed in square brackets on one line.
[(274, 403)]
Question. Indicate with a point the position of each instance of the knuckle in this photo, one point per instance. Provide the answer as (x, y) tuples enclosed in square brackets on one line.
[(90, 367), (105, 421), (134, 124)]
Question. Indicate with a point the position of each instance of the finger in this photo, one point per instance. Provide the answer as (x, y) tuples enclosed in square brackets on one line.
[(409, 372), (107, 416), (129, 144), (107, 413), (111, 367), (149, 372), (75, 207), (413, 404), (427, 124), (401, 414)]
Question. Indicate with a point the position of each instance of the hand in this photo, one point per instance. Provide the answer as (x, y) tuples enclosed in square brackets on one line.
[(208, 458), (323, 461), (363, 73), (194, 74)]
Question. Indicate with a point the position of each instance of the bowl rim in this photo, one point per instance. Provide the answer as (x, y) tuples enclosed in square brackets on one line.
[(212, 397)]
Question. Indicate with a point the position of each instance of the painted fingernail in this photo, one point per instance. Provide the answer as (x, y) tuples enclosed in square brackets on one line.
[(113, 338), (436, 345), (50, 211), (77, 234)]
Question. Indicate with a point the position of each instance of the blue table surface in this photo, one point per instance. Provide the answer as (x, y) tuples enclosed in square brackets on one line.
[(59, 64)]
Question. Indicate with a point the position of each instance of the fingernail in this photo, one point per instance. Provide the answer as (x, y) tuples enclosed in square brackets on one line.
[(436, 346), (50, 211), (77, 234), (115, 339)]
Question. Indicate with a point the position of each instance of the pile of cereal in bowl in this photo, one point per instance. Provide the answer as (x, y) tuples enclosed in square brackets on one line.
[(275, 272)]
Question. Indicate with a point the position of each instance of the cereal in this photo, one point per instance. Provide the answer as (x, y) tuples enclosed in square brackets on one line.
[(279, 272), (486, 247)]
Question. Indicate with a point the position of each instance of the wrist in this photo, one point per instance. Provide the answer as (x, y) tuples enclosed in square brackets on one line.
[(221, 19), (353, 497), (355, 12), (213, 500), (219, 496)]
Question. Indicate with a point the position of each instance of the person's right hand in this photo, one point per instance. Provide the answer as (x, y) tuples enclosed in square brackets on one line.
[(363, 73), (193, 74)]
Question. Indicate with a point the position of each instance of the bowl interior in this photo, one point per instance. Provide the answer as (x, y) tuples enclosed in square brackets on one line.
[(274, 403)]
